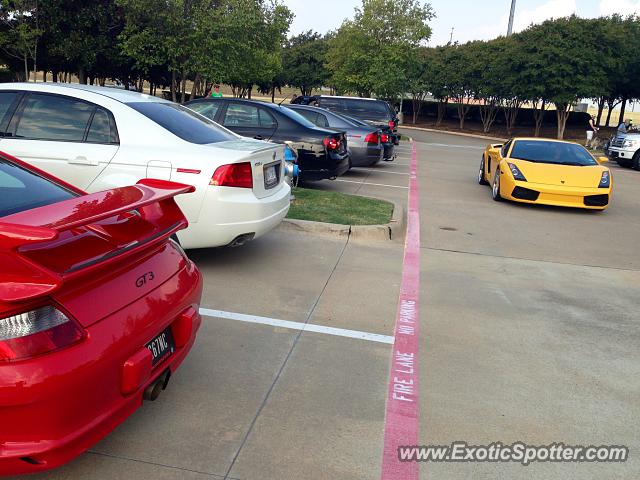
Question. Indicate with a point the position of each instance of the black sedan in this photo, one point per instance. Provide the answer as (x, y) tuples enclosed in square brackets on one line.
[(322, 153), (364, 141)]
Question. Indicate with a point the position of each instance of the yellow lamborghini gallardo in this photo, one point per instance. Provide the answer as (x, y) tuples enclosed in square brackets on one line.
[(543, 171)]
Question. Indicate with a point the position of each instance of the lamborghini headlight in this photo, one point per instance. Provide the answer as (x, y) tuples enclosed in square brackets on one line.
[(605, 180), (517, 174)]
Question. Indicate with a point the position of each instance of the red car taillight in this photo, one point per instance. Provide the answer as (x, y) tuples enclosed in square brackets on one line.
[(233, 175), (392, 124), (385, 138), (331, 143), (36, 332), (371, 138)]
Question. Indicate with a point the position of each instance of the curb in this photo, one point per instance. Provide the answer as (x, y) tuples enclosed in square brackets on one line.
[(317, 228), (460, 134), (377, 233)]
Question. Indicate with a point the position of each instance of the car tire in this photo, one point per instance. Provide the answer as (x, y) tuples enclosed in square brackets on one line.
[(481, 177), (495, 186), (636, 161), (624, 163)]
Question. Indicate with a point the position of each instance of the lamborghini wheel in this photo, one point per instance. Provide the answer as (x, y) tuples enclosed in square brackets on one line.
[(481, 179), (495, 188)]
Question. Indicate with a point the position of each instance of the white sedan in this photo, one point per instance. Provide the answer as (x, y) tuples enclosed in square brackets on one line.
[(98, 138)]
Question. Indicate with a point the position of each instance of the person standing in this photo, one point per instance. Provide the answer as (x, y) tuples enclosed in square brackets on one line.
[(216, 93), (592, 131)]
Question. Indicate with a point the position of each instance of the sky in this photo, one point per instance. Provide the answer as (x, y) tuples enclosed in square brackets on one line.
[(470, 19)]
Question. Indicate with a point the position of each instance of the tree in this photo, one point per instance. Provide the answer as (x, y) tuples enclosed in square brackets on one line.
[(513, 82), (303, 60), (561, 52), (242, 43), (378, 39), (20, 32), (625, 84), (461, 78), (417, 78), (166, 36), (436, 79), (80, 34), (487, 60)]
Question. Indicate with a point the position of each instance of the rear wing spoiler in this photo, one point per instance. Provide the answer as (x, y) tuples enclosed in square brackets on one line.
[(29, 270)]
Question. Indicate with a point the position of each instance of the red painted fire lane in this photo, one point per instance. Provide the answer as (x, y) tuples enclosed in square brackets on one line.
[(401, 419)]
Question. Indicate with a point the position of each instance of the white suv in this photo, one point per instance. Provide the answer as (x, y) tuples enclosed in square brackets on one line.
[(625, 149), (98, 138)]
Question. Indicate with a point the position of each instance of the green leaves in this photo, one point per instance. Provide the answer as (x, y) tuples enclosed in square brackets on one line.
[(19, 31), (233, 41), (303, 61), (559, 61), (373, 53)]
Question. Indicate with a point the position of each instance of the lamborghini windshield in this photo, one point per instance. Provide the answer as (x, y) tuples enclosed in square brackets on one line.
[(560, 153)]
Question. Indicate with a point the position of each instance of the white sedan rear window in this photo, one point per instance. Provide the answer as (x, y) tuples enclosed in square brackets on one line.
[(183, 122)]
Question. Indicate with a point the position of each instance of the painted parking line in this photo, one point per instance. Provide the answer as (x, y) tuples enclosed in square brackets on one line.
[(472, 147), (381, 170), (307, 327), (401, 417), (372, 184)]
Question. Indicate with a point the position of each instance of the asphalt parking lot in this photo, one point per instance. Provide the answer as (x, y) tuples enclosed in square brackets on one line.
[(529, 331)]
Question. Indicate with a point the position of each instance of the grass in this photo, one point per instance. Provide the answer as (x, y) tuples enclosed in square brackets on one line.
[(613, 122), (340, 208)]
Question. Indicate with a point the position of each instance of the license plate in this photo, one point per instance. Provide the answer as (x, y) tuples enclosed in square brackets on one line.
[(162, 346), (270, 176)]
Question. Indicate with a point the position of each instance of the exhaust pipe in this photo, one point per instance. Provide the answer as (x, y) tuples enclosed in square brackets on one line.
[(153, 391), (242, 239)]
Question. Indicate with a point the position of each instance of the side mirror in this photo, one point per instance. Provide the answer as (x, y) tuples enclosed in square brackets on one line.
[(602, 160)]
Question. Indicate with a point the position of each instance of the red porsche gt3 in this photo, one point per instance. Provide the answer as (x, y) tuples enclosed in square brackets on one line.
[(98, 307)]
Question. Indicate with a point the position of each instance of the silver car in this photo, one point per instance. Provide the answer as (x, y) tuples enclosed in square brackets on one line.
[(364, 142)]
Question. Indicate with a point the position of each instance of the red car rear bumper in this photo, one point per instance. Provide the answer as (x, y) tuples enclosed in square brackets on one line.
[(56, 406)]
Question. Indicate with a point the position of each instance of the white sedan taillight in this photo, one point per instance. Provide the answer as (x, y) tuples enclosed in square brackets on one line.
[(36, 332), (233, 175)]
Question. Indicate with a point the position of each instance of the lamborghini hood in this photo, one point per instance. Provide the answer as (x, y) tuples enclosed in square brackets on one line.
[(562, 175)]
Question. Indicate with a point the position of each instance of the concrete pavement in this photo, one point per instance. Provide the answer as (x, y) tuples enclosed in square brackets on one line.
[(529, 332), (529, 320)]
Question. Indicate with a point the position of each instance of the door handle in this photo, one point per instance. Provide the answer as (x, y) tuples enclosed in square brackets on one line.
[(81, 160), (259, 137)]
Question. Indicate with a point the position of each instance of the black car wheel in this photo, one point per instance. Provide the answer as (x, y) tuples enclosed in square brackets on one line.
[(481, 178), (623, 162), (636, 161)]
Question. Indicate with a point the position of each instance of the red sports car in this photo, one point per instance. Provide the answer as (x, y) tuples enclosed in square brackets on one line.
[(98, 307)]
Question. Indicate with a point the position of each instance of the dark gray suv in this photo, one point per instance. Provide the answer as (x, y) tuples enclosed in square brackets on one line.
[(370, 110)]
